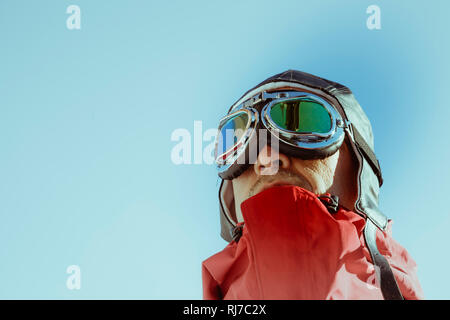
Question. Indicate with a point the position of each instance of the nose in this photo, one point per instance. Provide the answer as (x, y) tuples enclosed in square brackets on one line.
[(270, 160)]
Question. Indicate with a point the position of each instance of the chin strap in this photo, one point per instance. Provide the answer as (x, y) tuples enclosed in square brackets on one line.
[(383, 271), (330, 201), (236, 233)]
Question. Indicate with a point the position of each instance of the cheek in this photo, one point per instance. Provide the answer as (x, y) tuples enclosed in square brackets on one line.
[(328, 165), (319, 172), (242, 185)]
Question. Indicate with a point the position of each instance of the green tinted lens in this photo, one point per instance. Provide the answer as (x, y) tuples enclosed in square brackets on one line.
[(231, 132), (301, 115)]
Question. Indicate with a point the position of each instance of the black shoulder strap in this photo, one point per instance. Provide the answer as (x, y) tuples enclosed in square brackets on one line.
[(383, 270)]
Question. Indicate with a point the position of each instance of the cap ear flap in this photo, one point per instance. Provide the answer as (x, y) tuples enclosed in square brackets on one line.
[(227, 209), (227, 200)]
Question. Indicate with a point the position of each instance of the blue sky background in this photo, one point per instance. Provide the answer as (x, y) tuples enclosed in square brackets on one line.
[(86, 118)]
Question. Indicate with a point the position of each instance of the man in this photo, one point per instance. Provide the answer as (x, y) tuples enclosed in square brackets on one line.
[(299, 199)]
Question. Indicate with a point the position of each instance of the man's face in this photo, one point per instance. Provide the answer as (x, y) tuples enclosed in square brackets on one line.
[(335, 174)]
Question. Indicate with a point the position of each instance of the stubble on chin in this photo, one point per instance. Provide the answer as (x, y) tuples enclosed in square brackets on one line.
[(284, 175)]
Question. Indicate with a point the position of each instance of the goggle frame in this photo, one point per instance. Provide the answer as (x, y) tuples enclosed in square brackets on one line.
[(310, 141)]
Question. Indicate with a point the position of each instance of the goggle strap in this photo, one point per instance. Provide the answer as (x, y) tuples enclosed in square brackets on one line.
[(368, 154)]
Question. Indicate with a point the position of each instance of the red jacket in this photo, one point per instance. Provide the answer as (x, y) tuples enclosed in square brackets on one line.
[(292, 247)]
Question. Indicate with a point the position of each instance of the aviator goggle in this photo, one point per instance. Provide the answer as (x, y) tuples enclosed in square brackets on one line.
[(305, 126)]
